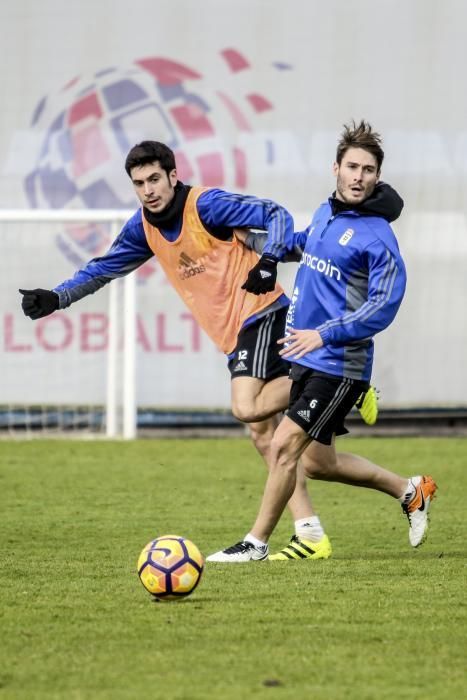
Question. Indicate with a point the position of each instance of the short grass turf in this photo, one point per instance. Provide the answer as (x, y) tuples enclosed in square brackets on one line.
[(377, 621)]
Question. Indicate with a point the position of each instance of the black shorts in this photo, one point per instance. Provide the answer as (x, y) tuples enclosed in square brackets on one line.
[(257, 352), (320, 402)]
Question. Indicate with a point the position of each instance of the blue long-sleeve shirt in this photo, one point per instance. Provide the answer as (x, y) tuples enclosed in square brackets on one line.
[(220, 212), (349, 286)]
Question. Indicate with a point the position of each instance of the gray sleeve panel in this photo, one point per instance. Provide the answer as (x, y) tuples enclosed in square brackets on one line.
[(69, 296), (356, 353), (70, 291), (257, 241)]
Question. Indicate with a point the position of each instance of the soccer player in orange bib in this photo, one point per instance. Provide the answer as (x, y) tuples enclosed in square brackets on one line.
[(231, 292)]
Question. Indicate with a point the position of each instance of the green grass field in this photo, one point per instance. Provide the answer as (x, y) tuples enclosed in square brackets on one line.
[(377, 621)]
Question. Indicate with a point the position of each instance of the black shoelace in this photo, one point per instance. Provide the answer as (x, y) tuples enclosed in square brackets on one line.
[(239, 547)]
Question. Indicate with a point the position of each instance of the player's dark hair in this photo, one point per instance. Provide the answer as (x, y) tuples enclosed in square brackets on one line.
[(149, 152), (360, 136)]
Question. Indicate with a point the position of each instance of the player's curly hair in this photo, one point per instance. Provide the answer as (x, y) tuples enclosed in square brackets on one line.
[(150, 152), (360, 136)]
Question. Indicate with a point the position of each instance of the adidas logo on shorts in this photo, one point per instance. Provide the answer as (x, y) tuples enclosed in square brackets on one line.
[(305, 415), (240, 367)]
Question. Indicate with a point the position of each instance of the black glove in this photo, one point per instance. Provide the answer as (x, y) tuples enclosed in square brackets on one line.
[(262, 277), (37, 303)]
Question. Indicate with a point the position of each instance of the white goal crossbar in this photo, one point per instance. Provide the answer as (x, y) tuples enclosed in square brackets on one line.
[(115, 218)]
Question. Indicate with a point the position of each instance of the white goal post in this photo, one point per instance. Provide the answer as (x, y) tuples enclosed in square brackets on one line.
[(121, 316)]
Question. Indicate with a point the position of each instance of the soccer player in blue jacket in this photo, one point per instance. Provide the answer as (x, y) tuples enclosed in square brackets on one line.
[(349, 286)]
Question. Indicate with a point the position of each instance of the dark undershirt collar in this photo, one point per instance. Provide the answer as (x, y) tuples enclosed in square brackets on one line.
[(171, 214)]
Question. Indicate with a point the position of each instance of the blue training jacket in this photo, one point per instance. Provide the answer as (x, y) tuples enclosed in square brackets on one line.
[(219, 211), (349, 285)]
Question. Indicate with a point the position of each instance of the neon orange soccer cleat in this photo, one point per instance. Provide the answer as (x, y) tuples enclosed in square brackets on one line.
[(417, 508)]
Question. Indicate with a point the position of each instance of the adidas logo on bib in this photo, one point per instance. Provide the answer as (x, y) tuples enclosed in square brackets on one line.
[(189, 267)]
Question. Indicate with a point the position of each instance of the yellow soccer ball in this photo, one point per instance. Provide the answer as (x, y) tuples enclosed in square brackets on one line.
[(170, 567)]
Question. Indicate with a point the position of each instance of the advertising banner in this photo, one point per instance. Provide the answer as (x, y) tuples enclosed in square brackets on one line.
[(251, 96)]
